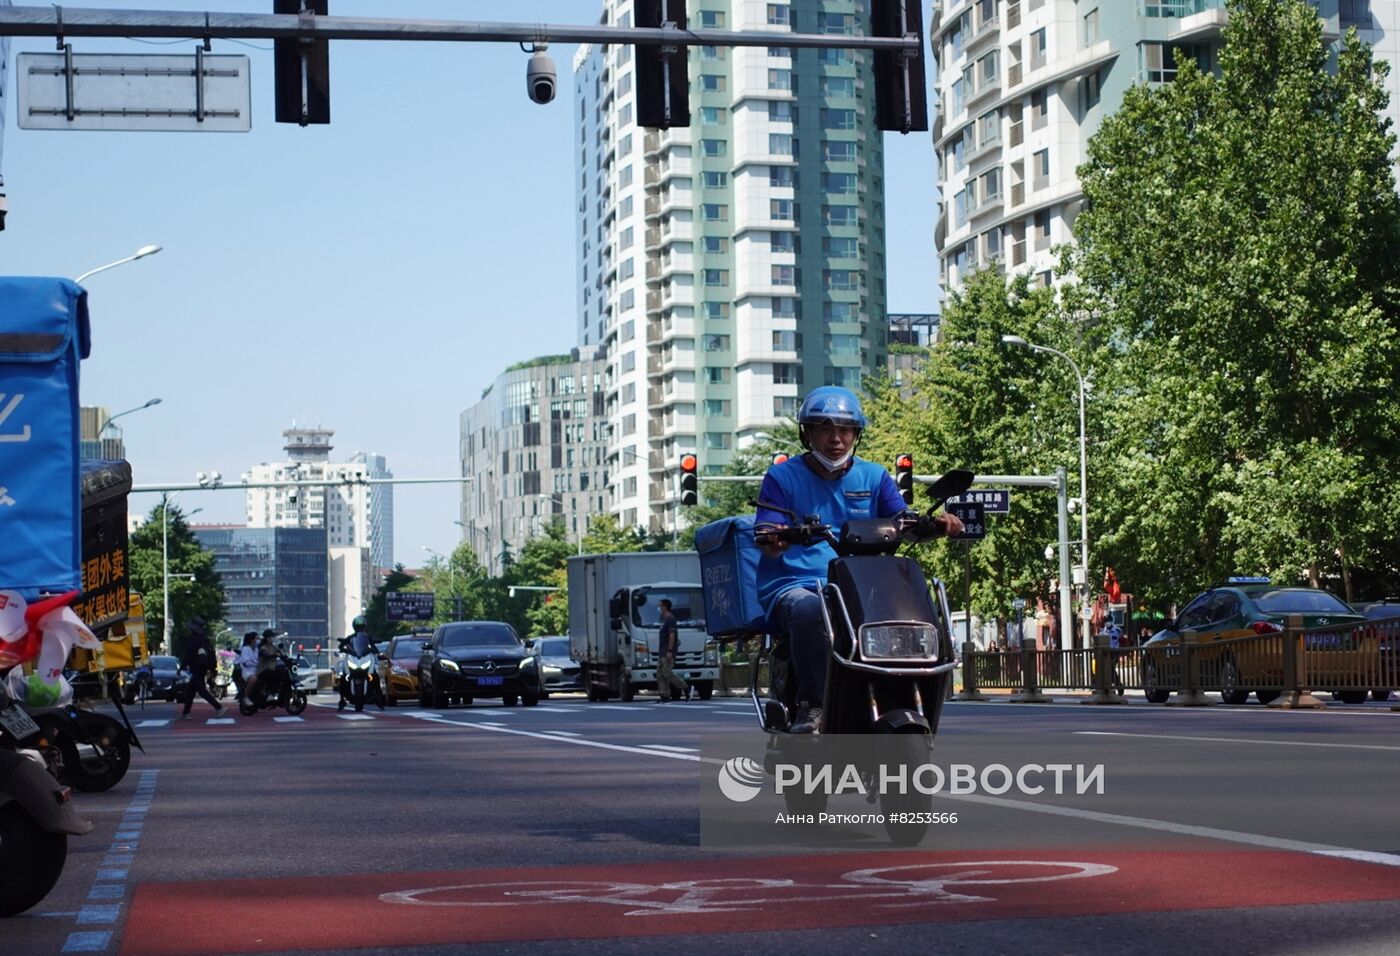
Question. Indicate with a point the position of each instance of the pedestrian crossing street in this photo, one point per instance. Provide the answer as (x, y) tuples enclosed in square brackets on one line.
[(322, 711)]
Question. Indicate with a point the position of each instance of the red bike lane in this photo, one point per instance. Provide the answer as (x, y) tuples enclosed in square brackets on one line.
[(722, 895)]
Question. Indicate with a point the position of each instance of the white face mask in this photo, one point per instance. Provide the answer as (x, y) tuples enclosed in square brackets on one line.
[(832, 464)]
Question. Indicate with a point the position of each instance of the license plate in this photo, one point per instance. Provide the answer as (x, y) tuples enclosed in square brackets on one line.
[(490, 681), (18, 723)]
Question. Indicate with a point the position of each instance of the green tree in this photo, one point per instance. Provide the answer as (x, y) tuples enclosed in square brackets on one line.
[(1239, 248), (195, 588), (979, 405), (461, 589), (606, 535)]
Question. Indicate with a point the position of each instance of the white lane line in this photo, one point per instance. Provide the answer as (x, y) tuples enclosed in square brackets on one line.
[(219, 720), (621, 707), (563, 733), (1211, 833), (1231, 836), (1234, 740), (355, 716), (146, 723), (558, 708), (290, 720), (679, 750)]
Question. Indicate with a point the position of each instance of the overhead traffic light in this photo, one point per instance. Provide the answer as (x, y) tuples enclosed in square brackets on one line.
[(663, 72), (301, 69), (901, 103), (904, 477), (689, 482)]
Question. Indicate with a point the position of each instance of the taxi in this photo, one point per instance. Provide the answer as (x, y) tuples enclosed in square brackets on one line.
[(1248, 607)]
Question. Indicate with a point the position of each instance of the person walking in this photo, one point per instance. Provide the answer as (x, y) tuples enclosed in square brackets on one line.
[(667, 640), (199, 660), (245, 669)]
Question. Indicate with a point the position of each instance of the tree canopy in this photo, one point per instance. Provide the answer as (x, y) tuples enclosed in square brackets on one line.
[(195, 588)]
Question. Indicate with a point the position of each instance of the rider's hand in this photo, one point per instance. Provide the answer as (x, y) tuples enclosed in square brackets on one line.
[(769, 544), (951, 524)]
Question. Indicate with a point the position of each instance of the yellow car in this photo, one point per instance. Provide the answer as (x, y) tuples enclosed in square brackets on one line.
[(400, 672)]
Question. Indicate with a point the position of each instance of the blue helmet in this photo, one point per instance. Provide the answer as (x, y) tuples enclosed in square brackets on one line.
[(830, 403)]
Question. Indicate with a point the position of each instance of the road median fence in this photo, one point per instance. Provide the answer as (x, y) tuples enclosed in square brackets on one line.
[(1282, 669)]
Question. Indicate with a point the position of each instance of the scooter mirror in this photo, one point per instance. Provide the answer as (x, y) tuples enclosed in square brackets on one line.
[(949, 484)]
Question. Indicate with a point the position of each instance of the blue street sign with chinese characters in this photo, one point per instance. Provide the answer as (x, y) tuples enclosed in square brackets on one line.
[(973, 518), (408, 605), (994, 501)]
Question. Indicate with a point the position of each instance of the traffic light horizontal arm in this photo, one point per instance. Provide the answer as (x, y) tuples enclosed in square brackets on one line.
[(72, 22)]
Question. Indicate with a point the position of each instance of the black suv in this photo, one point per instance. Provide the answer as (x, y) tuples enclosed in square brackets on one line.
[(469, 659)]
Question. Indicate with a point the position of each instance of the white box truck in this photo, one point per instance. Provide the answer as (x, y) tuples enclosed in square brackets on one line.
[(614, 621)]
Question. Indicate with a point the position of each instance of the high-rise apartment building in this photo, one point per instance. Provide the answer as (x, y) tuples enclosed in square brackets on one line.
[(536, 448), (730, 267), (1023, 85)]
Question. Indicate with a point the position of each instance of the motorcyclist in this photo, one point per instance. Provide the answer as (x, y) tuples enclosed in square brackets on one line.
[(357, 642), (828, 481), (245, 668), (268, 658)]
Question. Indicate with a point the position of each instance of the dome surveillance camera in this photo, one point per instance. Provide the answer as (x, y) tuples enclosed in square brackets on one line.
[(541, 78)]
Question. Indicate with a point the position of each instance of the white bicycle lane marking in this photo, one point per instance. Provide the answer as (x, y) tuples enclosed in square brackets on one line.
[(893, 887)]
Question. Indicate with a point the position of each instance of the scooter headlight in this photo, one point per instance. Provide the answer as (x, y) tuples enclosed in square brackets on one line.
[(898, 641)]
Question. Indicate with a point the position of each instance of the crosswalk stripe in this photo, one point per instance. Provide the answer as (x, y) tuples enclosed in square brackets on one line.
[(355, 716), (290, 720), (151, 723)]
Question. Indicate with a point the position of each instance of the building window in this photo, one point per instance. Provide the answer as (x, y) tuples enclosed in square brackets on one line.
[(838, 152), (840, 247), (715, 277), (711, 19), (838, 86), (843, 344), (714, 147), (627, 301), (779, 15), (715, 343), (784, 275), (1091, 27), (834, 57), (841, 280), (839, 215), (785, 341), (782, 177), (717, 440), (784, 308), (784, 374), (780, 79), (717, 408), (780, 144), (781, 111), (840, 312), (715, 180), (624, 239), (785, 406), (712, 115), (783, 241), (1091, 90), (712, 83), (715, 375), (838, 119), (713, 53), (839, 183), (781, 209), (716, 310), (836, 23), (714, 212), (715, 245)]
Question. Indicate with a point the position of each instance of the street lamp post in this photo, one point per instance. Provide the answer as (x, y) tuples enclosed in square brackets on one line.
[(141, 253), (149, 403), (165, 564), (451, 581), (1083, 478)]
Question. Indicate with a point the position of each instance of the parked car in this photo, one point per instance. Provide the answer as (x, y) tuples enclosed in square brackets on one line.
[(467, 659), (399, 672), (1244, 607), (561, 672), (158, 680), (1386, 615)]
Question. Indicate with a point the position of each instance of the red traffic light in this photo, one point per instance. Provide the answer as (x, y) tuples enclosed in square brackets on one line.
[(904, 463), (779, 458), (688, 463)]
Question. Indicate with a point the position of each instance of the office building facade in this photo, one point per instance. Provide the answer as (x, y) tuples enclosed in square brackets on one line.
[(272, 577), (721, 283), (1022, 86)]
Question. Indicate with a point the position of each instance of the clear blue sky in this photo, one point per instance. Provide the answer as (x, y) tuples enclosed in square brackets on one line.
[(373, 275)]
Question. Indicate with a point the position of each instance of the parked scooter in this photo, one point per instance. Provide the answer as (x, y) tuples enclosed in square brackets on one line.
[(357, 674), (891, 653), (80, 748), (275, 688), (36, 819)]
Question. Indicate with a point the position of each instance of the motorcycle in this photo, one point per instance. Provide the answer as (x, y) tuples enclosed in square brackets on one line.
[(275, 688), (357, 677), (36, 819), (80, 748), (892, 656)]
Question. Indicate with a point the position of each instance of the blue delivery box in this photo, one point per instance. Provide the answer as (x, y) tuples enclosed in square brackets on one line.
[(729, 573)]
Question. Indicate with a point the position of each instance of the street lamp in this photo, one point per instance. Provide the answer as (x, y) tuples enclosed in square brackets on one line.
[(1083, 475), (165, 561), (149, 403), (764, 436), (141, 253)]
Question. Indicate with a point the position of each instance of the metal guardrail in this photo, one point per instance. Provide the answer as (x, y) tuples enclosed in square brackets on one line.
[(1281, 669)]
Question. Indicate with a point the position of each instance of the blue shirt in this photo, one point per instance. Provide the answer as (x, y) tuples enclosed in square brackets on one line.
[(866, 490)]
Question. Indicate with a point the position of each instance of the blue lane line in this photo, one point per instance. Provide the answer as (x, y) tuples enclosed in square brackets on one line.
[(110, 881)]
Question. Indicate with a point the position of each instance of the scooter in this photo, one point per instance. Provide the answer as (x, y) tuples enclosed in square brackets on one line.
[(275, 688), (80, 748), (36, 819), (358, 675), (892, 657)]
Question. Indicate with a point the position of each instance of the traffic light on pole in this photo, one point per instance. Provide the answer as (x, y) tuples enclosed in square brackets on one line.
[(301, 69), (663, 71), (901, 103), (904, 477), (780, 457), (689, 482)]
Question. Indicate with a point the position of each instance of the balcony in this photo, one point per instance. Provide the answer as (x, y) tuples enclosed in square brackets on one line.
[(653, 270), (987, 89), (652, 238), (651, 175), (654, 397), (651, 144), (654, 366), (654, 300), (653, 207), (653, 333), (988, 28), (1013, 14)]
